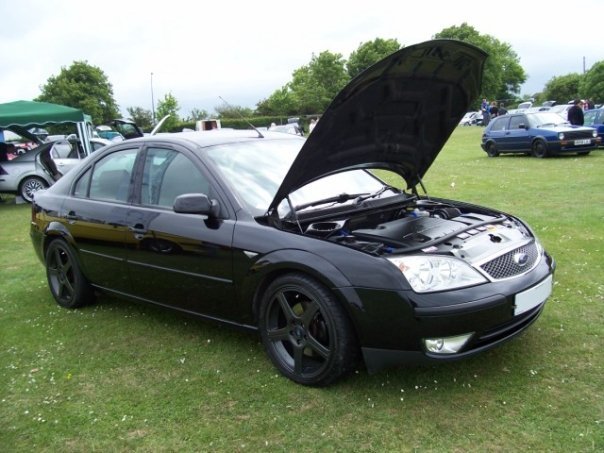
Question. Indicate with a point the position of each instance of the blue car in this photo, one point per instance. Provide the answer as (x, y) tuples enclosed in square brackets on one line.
[(595, 118), (541, 134)]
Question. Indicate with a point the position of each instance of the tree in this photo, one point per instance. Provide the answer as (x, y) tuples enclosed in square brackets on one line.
[(503, 74), (369, 53), (197, 114), (281, 102), (233, 111), (314, 86), (562, 88), (84, 87), (592, 85), (143, 118), (168, 106)]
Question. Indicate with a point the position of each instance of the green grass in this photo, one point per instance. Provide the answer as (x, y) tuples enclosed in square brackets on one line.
[(118, 376)]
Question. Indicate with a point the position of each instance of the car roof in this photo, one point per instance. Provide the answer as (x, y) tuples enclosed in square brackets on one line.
[(218, 137)]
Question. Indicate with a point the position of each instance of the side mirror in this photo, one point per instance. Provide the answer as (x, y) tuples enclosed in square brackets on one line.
[(196, 203), (522, 126)]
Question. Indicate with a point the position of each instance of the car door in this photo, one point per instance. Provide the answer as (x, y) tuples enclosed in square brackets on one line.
[(518, 138), (179, 260), (498, 132), (66, 155), (97, 213)]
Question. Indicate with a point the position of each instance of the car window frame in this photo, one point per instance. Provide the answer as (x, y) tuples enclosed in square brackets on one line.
[(226, 209), (89, 169), (521, 119)]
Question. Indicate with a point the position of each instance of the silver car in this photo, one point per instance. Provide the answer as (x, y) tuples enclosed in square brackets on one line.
[(40, 167)]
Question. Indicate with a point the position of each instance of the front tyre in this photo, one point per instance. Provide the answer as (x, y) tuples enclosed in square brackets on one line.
[(67, 284), (306, 333), (492, 150), (539, 149)]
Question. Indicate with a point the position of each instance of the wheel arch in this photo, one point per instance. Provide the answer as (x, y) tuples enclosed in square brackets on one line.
[(56, 230), (276, 264)]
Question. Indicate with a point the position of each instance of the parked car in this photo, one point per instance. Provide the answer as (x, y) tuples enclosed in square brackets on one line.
[(595, 118), (290, 128), (297, 239), (541, 134), (471, 119), (106, 132), (41, 166), (561, 109)]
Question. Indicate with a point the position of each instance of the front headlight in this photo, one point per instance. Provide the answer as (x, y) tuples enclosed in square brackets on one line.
[(561, 135), (429, 273), (594, 134)]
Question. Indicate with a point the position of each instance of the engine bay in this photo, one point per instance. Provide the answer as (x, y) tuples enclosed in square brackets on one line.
[(424, 226)]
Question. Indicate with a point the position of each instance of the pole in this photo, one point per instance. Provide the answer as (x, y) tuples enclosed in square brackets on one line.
[(152, 102)]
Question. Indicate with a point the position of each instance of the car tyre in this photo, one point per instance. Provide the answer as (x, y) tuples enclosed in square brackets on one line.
[(492, 150), (583, 153), (306, 332), (31, 185), (66, 281), (539, 149)]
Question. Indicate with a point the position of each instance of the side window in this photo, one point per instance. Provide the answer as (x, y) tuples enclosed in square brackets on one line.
[(61, 150), (516, 121), (167, 174), (82, 185), (111, 175), (499, 124), (589, 118)]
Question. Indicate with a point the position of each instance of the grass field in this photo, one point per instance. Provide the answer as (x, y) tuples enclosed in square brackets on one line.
[(118, 376)]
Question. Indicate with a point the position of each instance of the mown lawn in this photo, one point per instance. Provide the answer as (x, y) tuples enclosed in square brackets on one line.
[(118, 376)]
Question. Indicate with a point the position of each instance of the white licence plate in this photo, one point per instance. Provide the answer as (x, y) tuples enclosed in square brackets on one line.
[(585, 141), (532, 297)]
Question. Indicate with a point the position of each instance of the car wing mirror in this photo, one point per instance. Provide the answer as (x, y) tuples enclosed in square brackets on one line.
[(522, 126), (196, 203)]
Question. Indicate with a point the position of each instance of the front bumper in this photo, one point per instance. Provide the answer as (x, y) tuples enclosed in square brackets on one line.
[(392, 325)]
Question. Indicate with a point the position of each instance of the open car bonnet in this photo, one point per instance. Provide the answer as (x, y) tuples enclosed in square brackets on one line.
[(396, 115)]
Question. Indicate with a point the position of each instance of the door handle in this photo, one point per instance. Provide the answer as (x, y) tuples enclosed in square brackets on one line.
[(71, 215), (138, 229)]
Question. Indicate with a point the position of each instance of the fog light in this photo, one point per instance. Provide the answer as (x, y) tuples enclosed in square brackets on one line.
[(446, 345)]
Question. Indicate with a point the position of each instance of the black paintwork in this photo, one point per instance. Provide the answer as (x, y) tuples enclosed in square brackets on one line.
[(217, 265)]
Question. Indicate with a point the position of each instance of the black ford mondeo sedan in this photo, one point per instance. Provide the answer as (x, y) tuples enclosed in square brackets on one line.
[(299, 239)]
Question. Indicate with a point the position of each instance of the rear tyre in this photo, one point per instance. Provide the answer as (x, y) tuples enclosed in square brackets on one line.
[(583, 153), (31, 185), (539, 149), (67, 284), (306, 333)]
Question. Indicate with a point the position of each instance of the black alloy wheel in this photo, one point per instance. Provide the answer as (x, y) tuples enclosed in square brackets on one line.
[(31, 185), (67, 284), (539, 148), (305, 331)]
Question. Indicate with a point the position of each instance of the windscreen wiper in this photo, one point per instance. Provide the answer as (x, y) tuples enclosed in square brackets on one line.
[(342, 198), (375, 194)]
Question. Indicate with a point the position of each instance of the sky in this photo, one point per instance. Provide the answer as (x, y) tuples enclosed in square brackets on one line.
[(243, 51)]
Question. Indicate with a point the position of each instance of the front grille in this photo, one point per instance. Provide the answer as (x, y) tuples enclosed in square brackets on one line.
[(505, 266), (575, 135)]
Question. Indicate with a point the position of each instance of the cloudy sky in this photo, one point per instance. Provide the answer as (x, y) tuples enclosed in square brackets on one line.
[(244, 50)]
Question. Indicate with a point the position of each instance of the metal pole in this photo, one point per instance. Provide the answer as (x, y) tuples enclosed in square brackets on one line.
[(152, 101)]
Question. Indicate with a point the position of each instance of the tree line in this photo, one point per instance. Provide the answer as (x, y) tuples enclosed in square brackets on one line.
[(314, 85)]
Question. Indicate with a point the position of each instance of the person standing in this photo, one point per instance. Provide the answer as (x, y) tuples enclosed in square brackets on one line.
[(484, 108), (575, 113), (494, 110)]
